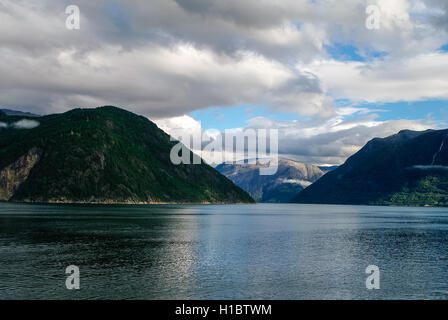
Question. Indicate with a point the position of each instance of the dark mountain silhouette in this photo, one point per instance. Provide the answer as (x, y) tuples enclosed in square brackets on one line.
[(409, 168)]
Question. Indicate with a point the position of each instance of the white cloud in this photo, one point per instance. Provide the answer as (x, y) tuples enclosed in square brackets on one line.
[(179, 127), (429, 167), (25, 124), (334, 141), (411, 79), (159, 81), (303, 183), (330, 143)]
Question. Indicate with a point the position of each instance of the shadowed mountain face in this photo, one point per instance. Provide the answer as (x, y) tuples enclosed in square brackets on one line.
[(291, 177), (102, 155), (409, 168)]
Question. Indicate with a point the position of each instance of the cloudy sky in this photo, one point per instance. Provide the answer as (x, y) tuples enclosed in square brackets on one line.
[(310, 68)]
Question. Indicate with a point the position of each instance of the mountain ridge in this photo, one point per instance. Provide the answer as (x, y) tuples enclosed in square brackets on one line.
[(11, 112)]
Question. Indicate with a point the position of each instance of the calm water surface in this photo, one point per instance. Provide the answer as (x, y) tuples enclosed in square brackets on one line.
[(223, 252)]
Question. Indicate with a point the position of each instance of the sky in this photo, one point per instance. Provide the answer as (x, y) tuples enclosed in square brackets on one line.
[(311, 69)]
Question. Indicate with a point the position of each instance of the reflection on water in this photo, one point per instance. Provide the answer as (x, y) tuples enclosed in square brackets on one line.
[(222, 252)]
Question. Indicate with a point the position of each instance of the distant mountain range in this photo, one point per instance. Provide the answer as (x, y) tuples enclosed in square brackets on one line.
[(10, 112), (406, 169), (291, 177), (102, 155)]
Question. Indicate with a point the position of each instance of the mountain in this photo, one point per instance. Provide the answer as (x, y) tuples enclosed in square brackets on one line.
[(406, 169), (291, 177), (10, 112), (102, 155)]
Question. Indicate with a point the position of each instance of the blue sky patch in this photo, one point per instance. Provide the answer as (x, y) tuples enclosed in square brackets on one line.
[(233, 117)]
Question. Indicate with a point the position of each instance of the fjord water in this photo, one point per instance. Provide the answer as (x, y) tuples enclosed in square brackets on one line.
[(259, 251)]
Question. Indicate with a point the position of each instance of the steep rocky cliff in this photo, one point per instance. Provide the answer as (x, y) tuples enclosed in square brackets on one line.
[(12, 176)]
